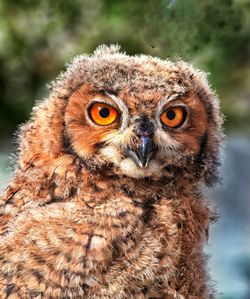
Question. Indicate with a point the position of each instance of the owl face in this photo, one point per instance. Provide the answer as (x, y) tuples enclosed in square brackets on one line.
[(140, 116), (138, 136)]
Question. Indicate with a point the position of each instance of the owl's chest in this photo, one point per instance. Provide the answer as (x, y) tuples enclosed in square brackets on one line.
[(141, 243)]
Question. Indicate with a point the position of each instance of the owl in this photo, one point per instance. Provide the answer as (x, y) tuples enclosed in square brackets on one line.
[(105, 200)]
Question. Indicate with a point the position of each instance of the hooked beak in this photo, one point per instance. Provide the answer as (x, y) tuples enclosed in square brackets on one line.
[(142, 155)]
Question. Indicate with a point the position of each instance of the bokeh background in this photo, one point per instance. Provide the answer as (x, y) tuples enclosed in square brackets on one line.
[(38, 37)]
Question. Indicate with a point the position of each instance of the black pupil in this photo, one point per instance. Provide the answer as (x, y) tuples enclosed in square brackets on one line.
[(104, 112), (171, 114)]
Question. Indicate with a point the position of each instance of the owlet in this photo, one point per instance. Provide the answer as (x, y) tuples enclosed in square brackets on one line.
[(105, 200)]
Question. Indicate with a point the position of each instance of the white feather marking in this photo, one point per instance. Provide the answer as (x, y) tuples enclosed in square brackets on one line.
[(97, 243), (165, 141), (90, 281), (111, 154), (130, 169), (119, 138)]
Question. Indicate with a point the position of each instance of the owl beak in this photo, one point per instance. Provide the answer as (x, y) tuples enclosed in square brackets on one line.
[(142, 155)]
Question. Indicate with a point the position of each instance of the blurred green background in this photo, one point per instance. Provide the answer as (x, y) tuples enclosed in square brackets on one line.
[(38, 37)]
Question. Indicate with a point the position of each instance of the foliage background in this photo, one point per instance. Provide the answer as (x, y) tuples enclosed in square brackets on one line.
[(38, 37)]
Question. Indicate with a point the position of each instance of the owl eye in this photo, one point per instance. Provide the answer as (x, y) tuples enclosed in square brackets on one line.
[(174, 117), (102, 114)]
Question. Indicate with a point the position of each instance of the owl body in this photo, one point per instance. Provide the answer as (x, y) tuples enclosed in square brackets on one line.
[(105, 200)]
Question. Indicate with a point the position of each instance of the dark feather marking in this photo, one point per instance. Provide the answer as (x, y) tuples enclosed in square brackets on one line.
[(9, 290), (67, 144), (96, 188), (11, 193), (34, 295), (72, 191), (38, 275), (128, 192), (116, 252), (55, 199), (68, 256), (99, 145), (203, 145), (148, 209), (39, 259), (89, 242)]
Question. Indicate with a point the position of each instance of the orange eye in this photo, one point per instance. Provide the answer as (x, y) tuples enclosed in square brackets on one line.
[(103, 114), (174, 117)]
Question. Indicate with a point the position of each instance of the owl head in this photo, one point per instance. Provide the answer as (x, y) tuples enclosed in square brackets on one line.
[(134, 116)]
